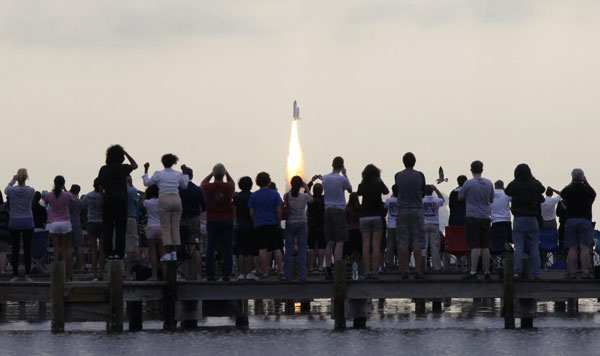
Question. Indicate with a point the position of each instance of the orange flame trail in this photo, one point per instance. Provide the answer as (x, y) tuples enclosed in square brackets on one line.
[(295, 159)]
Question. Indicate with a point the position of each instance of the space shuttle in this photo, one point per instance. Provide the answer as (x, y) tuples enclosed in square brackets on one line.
[(296, 112)]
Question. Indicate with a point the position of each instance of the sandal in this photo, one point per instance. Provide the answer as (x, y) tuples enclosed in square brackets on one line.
[(586, 275)]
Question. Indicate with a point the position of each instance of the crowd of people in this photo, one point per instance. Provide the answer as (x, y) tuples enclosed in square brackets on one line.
[(175, 220)]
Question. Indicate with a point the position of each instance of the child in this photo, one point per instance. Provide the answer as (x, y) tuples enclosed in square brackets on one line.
[(392, 213), (153, 230)]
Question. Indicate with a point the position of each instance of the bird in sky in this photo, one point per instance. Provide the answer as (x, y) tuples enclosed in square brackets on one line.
[(441, 177)]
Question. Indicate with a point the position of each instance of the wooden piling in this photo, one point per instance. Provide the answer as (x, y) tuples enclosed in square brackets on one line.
[(509, 291), (420, 306), (527, 306), (135, 310), (572, 306), (58, 298), (339, 300), (170, 295), (241, 320), (190, 310), (436, 305), (114, 324)]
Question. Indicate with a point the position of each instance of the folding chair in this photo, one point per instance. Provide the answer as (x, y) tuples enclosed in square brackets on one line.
[(39, 252), (455, 245), (596, 249)]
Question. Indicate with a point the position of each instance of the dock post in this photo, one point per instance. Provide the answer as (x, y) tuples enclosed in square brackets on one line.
[(241, 320), (420, 306), (509, 291), (572, 306), (527, 306), (69, 269), (339, 300), (135, 310), (114, 324), (169, 295), (560, 306), (436, 305), (58, 296), (190, 307)]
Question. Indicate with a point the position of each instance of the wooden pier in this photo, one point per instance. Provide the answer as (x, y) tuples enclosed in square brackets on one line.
[(182, 302)]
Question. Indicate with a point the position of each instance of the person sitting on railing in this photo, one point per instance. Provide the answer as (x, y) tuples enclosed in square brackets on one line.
[(578, 197)]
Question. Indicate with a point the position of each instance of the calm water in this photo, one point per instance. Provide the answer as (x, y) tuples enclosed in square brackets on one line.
[(462, 329)]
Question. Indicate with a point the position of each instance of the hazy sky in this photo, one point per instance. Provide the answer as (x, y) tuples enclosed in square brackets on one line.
[(214, 81)]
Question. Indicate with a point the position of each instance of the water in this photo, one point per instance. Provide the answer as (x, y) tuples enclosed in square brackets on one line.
[(462, 329)]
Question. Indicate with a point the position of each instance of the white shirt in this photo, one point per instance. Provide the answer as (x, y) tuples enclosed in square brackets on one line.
[(500, 206), (168, 180), (151, 206), (392, 212), (549, 208), (431, 207)]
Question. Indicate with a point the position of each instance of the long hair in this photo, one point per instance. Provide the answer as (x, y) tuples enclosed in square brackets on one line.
[(59, 184), (370, 174), (296, 184), (353, 200)]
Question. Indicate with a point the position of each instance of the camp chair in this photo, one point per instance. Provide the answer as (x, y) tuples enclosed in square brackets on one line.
[(39, 252), (596, 249), (455, 245), (548, 247)]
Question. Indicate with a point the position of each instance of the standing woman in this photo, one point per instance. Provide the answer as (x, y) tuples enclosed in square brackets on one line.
[(372, 209), (20, 221), (296, 229), (153, 230), (59, 220), (93, 202), (169, 203)]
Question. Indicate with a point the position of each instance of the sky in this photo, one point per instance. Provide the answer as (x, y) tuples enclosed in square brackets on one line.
[(504, 82)]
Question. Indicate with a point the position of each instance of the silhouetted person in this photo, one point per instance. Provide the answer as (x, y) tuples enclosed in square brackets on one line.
[(458, 208)]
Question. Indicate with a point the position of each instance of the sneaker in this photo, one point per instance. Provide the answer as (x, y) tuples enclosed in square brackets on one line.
[(211, 279), (282, 277), (470, 277), (95, 279), (264, 277), (418, 275), (516, 276), (240, 277), (225, 279), (251, 276), (487, 277), (166, 257), (173, 256), (405, 275)]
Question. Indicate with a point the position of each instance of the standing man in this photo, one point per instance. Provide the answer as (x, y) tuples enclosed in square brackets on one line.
[(457, 207), (501, 226), (192, 204), (549, 209), (478, 195), (410, 225), (335, 226), (219, 219), (113, 180), (578, 197), (431, 207)]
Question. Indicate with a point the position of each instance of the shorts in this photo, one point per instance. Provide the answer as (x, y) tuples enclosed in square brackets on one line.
[(477, 232), (335, 226), (549, 225), (189, 230), (316, 238), (371, 224), (268, 237), (132, 240), (578, 231), (410, 228), (59, 227), (77, 237), (153, 232), (95, 228), (245, 244)]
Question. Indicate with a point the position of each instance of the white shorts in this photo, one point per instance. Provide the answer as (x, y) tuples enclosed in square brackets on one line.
[(60, 227)]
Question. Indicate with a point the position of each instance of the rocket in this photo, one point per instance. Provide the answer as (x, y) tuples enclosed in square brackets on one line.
[(296, 112)]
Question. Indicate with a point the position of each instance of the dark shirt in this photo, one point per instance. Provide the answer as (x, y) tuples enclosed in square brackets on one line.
[(352, 218), (411, 189), (527, 196), (240, 202), (4, 232), (578, 198), (113, 179), (372, 205), (40, 215), (192, 200), (316, 213), (458, 209)]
